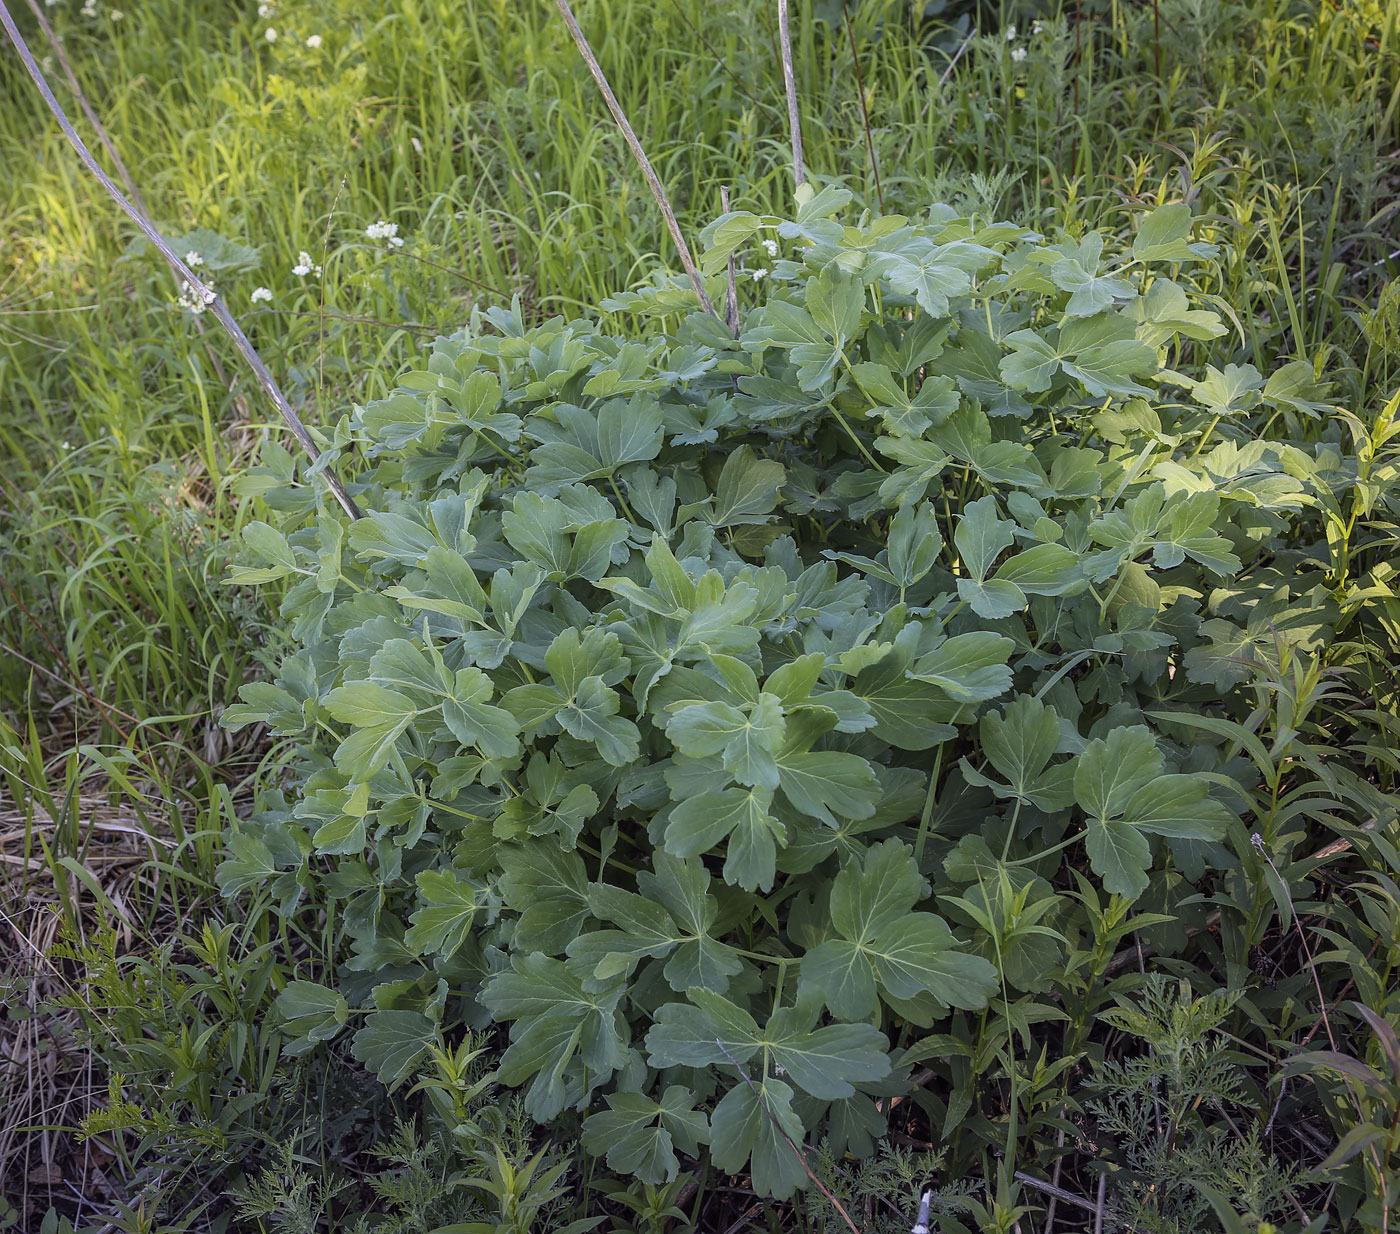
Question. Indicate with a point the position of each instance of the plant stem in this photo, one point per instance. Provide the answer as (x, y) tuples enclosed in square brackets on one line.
[(653, 182)]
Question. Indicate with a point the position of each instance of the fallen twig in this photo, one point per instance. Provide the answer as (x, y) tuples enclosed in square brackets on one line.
[(98, 128), (1058, 1193)]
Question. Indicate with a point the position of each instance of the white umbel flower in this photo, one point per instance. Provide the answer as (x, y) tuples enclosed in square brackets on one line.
[(1018, 54), (305, 265), (261, 295), (270, 35), (194, 259), (772, 247), (759, 275), (192, 300), (386, 231), (313, 41)]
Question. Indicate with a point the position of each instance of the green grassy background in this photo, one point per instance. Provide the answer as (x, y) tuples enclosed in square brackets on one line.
[(125, 423), (477, 130)]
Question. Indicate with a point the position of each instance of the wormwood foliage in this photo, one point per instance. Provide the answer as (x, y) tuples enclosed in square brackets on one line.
[(692, 706)]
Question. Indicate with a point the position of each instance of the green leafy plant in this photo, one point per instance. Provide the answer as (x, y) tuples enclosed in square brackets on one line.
[(1169, 1114), (647, 740), (197, 1084), (118, 512), (1364, 1102)]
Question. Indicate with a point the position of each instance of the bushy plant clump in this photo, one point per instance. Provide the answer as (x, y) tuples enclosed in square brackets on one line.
[(724, 715)]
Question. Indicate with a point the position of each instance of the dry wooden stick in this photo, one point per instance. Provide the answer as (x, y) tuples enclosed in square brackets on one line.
[(1057, 1193), (211, 299), (948, 72), (799, 171), (653, 182), (132, 190), (731, 291)]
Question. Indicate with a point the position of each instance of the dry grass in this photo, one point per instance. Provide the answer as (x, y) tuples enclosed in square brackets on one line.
[(49, 1079)]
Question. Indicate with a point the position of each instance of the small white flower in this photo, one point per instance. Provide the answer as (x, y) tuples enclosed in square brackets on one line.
[(193, 259), (1037, 27), (265, 9), (193, 301), (313, 41), (270, 35), (386, 231), (1010, 33), (305, 265), (89, 8), (772, 247), (759, 274), (64, 445), (116, 14), (262, 294), (1018, 54)]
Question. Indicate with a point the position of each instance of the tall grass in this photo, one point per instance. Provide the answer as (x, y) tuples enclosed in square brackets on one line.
[(478, 131)]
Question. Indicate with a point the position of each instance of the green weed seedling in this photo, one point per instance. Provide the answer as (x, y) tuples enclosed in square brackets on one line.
[(1364, 1102)]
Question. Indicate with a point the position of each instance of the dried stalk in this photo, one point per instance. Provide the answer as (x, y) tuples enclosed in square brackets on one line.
[(212, 300), (864, 111), (731, 290), (923, 115), (799, 171), (1058, 1193), (653, 182), (132, 191)]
